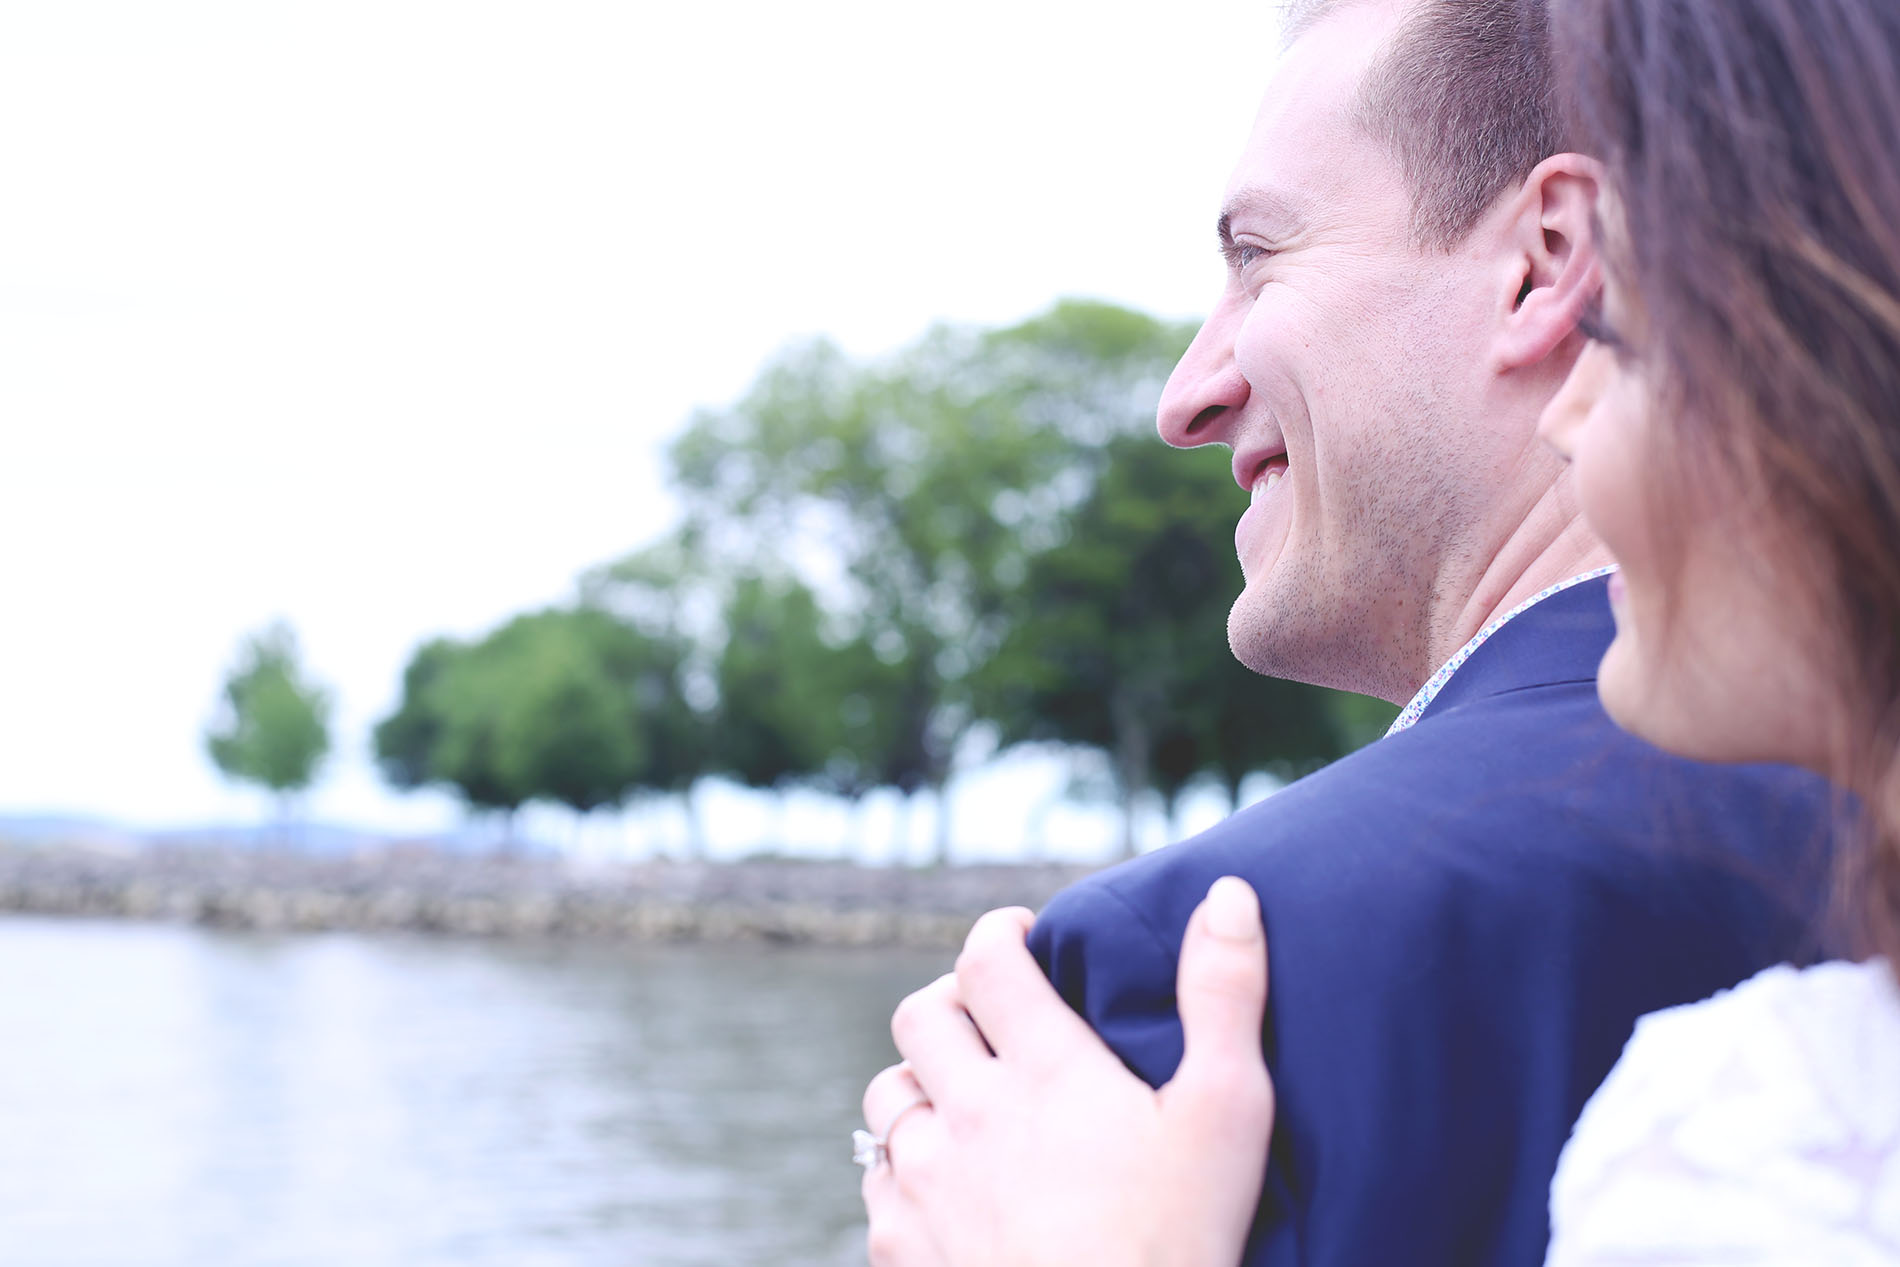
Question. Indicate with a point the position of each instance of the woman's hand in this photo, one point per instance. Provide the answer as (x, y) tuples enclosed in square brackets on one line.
[(1037, 1147)]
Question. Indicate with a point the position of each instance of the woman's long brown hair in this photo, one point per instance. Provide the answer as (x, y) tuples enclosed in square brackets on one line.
[(1752, 148)]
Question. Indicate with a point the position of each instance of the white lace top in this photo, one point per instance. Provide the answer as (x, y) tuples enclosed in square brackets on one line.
[(1759, 1127)]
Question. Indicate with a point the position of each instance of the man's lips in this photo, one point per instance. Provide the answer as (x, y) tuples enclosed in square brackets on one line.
[(1253, 465), (1267, 476), (1270, 473)]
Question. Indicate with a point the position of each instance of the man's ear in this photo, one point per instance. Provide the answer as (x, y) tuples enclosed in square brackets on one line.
[(1552, 272)]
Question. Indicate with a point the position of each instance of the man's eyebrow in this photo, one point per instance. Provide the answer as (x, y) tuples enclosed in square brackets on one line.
[(1280, 212)]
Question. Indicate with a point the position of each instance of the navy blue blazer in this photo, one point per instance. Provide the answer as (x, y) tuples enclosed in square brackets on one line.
[(1464, 920)]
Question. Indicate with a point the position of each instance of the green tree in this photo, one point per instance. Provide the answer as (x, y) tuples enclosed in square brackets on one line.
[(405, 742), (669, 601), (799, 705), (776, 721), (567, 730), (927, 483), (569, 705), (465, 706), (1119, 641), (272, 727), (776, 724)]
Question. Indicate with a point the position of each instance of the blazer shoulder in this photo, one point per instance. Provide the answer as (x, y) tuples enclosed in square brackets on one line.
[(1528, 806), (1331, 829)]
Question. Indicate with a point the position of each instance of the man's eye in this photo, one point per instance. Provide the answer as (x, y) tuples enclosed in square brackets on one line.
[(1242, 254)]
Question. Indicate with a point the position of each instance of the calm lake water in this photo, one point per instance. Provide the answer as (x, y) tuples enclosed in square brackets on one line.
[(177, 1096)]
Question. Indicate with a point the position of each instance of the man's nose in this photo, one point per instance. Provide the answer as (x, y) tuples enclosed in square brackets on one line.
[(1206, 391)]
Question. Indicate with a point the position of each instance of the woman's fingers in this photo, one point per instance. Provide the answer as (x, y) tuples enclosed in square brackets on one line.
[(890, 1093), (1005, 992), (1047, 1149), (1221, 983), (898, 1234), (1221, 1098), (937, 1038)]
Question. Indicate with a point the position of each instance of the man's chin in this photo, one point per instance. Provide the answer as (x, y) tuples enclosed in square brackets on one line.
[(1262, 633), (1282, 629)]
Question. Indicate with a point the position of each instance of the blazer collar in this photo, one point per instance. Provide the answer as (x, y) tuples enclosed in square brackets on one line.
[(1561, 639)]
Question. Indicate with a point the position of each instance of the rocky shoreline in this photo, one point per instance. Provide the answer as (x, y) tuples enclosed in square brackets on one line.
[(820, 903)]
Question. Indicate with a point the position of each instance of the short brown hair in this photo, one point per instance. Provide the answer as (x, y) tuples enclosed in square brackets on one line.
[(1753, 150), (1463, 97)]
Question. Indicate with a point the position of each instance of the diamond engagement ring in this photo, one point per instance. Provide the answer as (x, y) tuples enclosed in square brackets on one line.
[(870, 1150)]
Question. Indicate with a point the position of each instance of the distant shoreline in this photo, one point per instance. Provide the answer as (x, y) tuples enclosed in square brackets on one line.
[(766, 901)]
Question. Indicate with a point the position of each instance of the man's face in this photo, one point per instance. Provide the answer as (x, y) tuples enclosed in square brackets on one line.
[(1343, 365)]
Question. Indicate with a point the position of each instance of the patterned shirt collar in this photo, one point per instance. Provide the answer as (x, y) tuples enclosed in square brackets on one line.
[(1429, 692)]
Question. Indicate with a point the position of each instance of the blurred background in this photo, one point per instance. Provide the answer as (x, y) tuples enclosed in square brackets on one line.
[(556, 555)]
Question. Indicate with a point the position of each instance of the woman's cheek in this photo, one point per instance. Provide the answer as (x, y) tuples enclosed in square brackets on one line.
[(1612, 473)]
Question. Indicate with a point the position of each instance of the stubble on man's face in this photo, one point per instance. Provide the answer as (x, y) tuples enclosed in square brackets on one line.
[(1354, 343), (1350, 606)]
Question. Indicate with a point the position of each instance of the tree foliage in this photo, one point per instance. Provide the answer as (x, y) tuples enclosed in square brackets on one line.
[(876, 559), (569, 705), (405, 741), (272, 727), (929, 482), (776, 722), (1119, 640), (799, 703)]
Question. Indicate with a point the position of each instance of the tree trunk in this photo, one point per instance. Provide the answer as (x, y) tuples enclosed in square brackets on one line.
[(941, 848), (782, 801), (1131, 766), (943, 824), (900, 829), (695, 823), (1127, 823), (853, 842), (1036, 832)]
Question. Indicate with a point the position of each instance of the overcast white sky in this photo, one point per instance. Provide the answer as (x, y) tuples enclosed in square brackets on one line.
[(377, 314)]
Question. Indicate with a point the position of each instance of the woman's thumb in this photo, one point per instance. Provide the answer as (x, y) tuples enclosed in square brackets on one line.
[(1221, 1091)]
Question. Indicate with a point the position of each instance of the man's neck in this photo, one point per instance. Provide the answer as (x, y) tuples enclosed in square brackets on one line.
[(1550, 546)]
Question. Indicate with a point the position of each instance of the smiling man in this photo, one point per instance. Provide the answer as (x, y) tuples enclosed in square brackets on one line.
[(1381, 350), (1465, 918)]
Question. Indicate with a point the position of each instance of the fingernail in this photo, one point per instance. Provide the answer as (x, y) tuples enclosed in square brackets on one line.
[(1233, 910)]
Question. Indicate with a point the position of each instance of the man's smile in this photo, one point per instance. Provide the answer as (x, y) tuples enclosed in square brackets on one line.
[(1269, 476), (1250, 533)]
